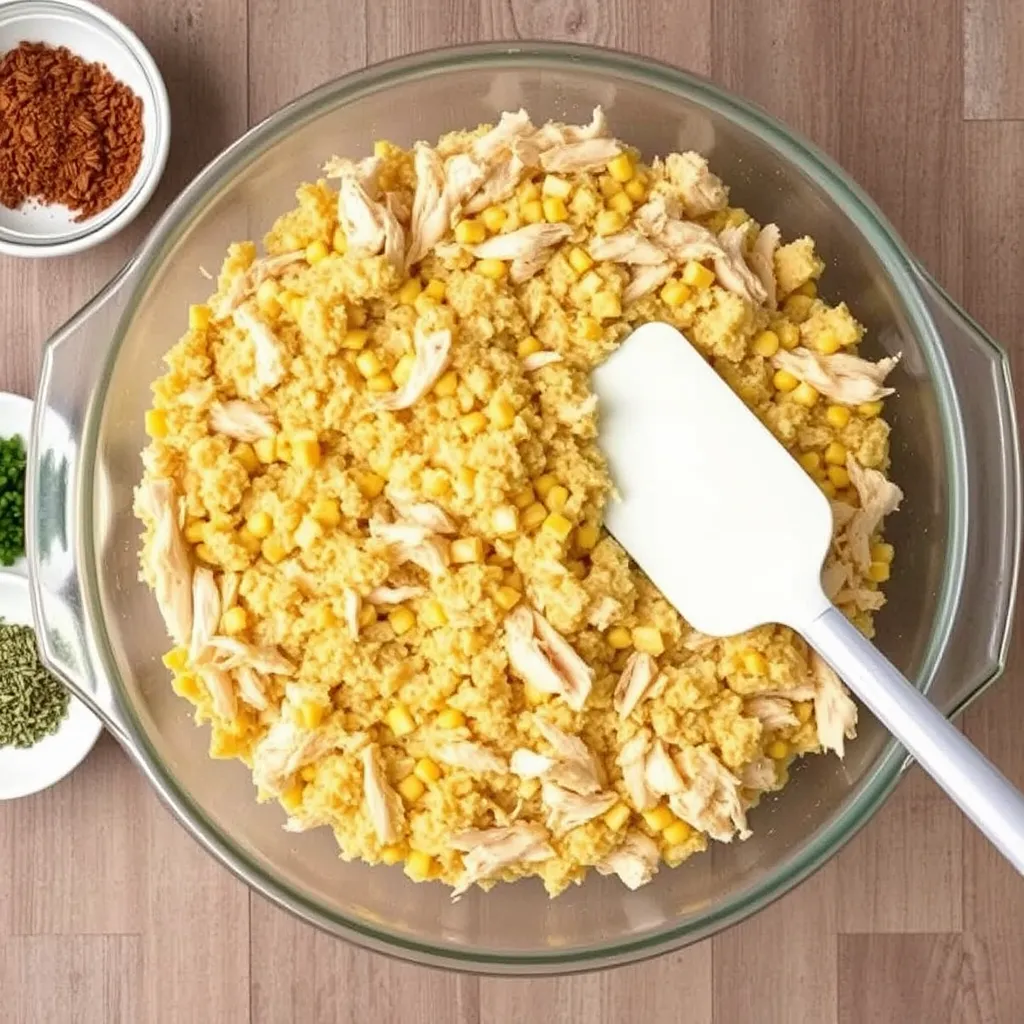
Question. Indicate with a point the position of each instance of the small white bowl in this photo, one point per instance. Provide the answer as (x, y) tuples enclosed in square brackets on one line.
[(28, 770), (94, 35), (15, 420)]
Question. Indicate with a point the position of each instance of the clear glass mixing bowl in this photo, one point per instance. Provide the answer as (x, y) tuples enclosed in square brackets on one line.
[(955, 453)]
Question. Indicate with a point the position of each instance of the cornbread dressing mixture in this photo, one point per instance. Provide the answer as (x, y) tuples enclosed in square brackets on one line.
[(373, 502)]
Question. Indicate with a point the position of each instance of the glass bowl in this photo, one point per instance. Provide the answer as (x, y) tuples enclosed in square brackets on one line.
[(954, 453)]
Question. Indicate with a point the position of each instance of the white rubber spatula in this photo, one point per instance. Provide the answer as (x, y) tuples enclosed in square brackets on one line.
[(734, 533)]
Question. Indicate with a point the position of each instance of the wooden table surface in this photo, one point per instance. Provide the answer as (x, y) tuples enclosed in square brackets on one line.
[(109, 913)]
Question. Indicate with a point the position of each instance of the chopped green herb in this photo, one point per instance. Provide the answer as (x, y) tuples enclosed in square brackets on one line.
[(32, 702), (12, 500)]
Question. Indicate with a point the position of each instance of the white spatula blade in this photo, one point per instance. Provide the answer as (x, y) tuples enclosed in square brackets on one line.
[(716, 512)]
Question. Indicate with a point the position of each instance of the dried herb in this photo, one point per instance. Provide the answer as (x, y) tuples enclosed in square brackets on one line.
[(12, 500), (32, 702)]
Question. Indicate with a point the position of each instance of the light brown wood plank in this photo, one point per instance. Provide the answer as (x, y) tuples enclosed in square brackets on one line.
[(993, 40), (675, 987), (91, 979), (301, 976), (887, 978), (881, 873), (780, 966)]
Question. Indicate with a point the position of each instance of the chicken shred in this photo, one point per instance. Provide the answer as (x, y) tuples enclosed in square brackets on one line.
[(773, 713), (878, 498), (285, 750), (247, 282), (646, 280), (528, 248), (424, 513), (568, 810), (604, 612), (394, 595), (846, 379), (539, 654), (168, 558), (732, 270), (627, 247), (711, 800), (538, 360), (632, 760), (252, 688), (488, 851), (762, 261), (242, 421), (634, 683), (266, 348), (660, 773), (221, 690), (205, 610), (352, 606), (702, 191), (474, 757), (834, 711), (573, 157), (635, 861), (760, 774), (432, 353), (227, 653), (383, 804)]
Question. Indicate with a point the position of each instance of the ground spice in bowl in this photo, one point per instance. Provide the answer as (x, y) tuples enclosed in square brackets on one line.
[(32, 702), (70, 133)]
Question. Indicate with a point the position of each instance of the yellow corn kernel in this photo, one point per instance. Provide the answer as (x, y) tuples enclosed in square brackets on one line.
[(617, 817), (411, 788), (528, 346), (246, 455), (777, 750), (591, 329), (501, 412), (674, 293), (367, 615), (659, 818), (234, 620), (798, 307), (432, 614), (436, 483), (205, 552), (827, 343), (451, 718), (882, 552), (402, 620), (606, 305), (369, 364), (156, 422), (532, 211), (291, 798), (811, 462), (804, 710), (316, 251), (827, 488), (470, 232), (587, 536), (555, 210), (528, 191), (447, 385), (305, 449), (221, 521), (465, 477), (186, 686), (473, 423), (580, 260), (525, 498), (265, 449), (697, 275), (805, 395), (465, 550), (324, 617), (534, 696), (370, 484), (808, 288), (636, 190), (399, 721), (326, 511), (199, 317), (533, 516), (284, 448), (380, 383), (408, 292), (494, 269), (393, 854), (621, 203), (839, 476), (382, 148), (766, 344), (556, 186), (195, 532), (311, 714), (420, 866), (677, 833), (494, 218), (577, 568), (878, 571), (754, 662), (471, 642), (505, 520), (609, 222), (339, 243), (619, 638), (837, 416), (648, 640), (543, 484), (403, 369), (273, 550), (427, 770), (621, 168), (507, 597), (556, 498), (590, 285), (176, 659), (558, 526), (835, 454), (608, 185), (784, 381), (307, 533), (290, 241), (355, 339), (789, 336), (436, 290), (869, 409)]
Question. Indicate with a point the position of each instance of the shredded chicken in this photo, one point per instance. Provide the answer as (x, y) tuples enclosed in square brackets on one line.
[(627, 247), (529, 248), (394, 595), (846, 379), (634, 683), (432, 556), (285, 750), (242, 421), (731, 266), (352, 606), (361, 218), (760, 774), (266, 348), (635, 861), (168, 558), (835, 713), (433, 350), (711, 800), (860, 598), (474, 757), (366, 171), (252, 688), (539, 654), (430, 214), (528, 764), (604, 612), (568, 810), (221, 690), (660, 773), (835, 575), (227, 653), (229, 584), (773, 713), (424, 513), (632, 760), (488, 851), (538, 360), (575, 767), (246, 283), (205, 610), (878, 497), (702, 191), (554, 134), (588, 155), (510, 127), (646, 280), (762, 261), (383, 804)]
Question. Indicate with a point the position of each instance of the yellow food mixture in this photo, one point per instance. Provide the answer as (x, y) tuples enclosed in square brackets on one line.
[(373, 495)]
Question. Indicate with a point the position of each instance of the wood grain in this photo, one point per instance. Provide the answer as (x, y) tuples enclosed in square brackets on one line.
[(110, 913)]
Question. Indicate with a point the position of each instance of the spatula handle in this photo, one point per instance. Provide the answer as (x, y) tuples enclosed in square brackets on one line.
[(982, 792)]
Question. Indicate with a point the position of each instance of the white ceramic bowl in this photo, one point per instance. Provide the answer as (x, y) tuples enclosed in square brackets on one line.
[(94, 35)]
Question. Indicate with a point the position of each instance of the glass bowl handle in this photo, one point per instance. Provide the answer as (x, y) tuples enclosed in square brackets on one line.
[(981, 632), (74, 360)]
